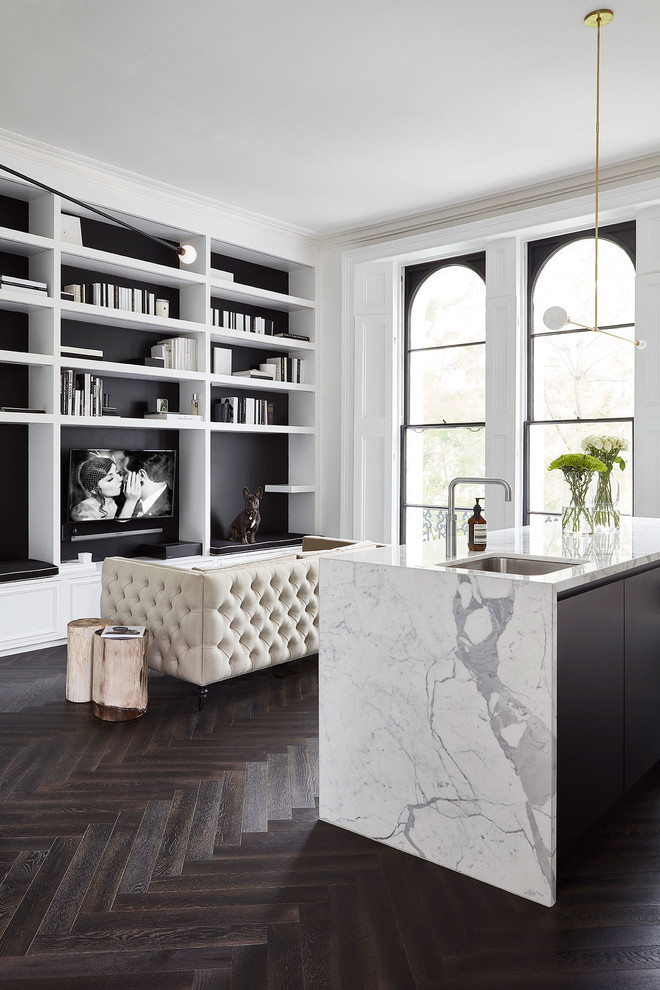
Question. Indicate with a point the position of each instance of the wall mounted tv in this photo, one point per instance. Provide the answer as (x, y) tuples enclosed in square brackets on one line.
[(119, 485)]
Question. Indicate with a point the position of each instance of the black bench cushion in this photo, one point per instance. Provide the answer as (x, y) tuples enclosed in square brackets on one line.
[(20, 570)]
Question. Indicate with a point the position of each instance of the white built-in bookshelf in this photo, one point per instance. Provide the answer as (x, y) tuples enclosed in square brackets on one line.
[(215, 458)]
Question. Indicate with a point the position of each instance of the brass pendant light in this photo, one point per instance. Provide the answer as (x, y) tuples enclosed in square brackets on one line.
[(555, 318)]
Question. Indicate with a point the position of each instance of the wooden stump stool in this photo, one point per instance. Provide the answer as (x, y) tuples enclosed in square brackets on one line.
[(79, 654), (119, 683)]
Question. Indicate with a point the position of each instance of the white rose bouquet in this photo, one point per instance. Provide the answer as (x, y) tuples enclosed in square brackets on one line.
[(608, 450)]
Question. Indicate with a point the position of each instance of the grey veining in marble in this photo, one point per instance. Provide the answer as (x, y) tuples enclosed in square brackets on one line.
[(434, 738), (437, 698)]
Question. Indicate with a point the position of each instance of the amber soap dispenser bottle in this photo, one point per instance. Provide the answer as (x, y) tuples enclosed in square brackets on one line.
[(477, 528)]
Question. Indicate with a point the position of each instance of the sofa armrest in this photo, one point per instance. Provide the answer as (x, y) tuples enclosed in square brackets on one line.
[(169, 602)]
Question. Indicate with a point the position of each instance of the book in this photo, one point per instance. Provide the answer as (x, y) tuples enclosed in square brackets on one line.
[(251, 373), (14, 282), (123, 632), (292, 336), (171, 415), (222, 360), (20, 409), (82, 351)]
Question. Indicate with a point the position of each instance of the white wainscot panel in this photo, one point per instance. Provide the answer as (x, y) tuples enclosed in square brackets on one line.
[(81, 599), (29, 613)]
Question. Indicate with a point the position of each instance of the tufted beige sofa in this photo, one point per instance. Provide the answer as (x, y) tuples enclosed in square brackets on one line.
[(211, 622)]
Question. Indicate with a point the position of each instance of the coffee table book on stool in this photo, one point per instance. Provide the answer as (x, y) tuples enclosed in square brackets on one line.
[(120, 675)]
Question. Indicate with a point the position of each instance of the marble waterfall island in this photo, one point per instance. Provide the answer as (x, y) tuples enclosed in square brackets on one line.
[(438, 719)]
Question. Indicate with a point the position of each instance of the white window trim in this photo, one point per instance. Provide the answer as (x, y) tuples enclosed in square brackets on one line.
[(504, 239)]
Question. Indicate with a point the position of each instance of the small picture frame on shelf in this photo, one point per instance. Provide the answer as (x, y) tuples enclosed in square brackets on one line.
[(162, 406)]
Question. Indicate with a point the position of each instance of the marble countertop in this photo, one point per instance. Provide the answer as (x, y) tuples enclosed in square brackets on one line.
[(601, 555)]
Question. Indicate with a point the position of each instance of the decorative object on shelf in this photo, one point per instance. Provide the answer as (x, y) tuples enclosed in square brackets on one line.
[(577, 492), (194, 405), (186, 252), (163, 308), (555, 318), (244, 527), (606, 499), (162, 406)]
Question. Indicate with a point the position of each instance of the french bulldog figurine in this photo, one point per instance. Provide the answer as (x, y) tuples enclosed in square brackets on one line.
[(244, 527)]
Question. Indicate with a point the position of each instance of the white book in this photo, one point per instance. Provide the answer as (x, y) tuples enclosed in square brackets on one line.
[(222, 360), (83, 351), (171, 415), (123, 632)]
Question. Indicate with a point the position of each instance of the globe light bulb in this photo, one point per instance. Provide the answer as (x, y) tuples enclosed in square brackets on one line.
[(187, 254), (555, 318)]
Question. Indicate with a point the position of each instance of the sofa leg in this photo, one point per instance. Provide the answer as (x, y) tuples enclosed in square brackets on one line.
[(201, 697)]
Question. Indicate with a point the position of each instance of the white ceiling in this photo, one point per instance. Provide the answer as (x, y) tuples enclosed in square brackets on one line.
[(332, 115)]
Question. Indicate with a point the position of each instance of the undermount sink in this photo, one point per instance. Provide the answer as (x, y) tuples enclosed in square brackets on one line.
[(507, 564)]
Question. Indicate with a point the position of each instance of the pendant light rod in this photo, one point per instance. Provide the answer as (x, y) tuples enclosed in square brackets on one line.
[(186, 252), (608, 333), (555, 318), (597, 18)]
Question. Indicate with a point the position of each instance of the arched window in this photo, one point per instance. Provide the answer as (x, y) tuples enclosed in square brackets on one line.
[(579, 382), (443, 432)]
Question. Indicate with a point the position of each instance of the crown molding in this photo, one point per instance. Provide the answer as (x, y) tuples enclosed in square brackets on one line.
[(643, 173), (131, 194)]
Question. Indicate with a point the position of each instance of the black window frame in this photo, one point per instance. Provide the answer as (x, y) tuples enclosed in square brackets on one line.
[(413, 277), (623, 234)]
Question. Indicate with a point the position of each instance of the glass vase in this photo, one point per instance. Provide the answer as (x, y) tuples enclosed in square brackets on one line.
[(578, 492), (606, 502)]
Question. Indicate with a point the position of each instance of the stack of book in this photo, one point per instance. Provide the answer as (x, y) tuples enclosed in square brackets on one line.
[(229, 320), (81, 393), (113, 297), (13, 282), (243, 409), (179, 353), (253, 373)]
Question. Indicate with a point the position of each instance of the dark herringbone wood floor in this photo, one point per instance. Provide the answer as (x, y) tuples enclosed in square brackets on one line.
[(183, 850)]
